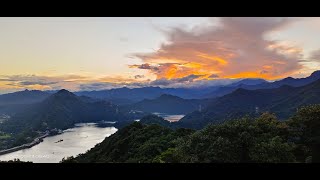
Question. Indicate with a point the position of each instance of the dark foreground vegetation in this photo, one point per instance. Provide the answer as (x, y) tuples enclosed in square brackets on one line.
[(247, 140)]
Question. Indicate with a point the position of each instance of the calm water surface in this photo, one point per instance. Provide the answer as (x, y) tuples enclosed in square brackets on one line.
[(75, 141), (170, 117)]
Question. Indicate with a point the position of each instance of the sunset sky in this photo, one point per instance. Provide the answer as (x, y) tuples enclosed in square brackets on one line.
[(103, 53)]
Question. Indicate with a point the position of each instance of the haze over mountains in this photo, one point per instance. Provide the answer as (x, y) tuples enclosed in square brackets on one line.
[(169, 104), (126, 95), (61, 109), (282, 101), (253, 84), (28, 114), (122, 96), (23, 97)]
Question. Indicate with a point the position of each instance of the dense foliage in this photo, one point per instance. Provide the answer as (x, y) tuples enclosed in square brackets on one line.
[(305, 125), (264, 139), (134, 143)]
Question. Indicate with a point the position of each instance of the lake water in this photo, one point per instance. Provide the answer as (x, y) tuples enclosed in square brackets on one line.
[(75, 141), (170, 117)]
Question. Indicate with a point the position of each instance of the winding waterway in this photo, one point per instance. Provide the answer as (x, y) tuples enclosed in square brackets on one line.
[(70, 143)]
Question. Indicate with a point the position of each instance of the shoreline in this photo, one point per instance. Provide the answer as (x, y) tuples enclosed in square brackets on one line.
[(81, 139), (25, 146), (37, 140)]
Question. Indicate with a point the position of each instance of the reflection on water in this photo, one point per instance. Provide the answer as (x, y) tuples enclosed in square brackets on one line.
[(170, 117), (75, 141)]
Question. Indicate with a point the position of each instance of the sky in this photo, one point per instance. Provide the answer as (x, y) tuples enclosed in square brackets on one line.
[(103, 53)]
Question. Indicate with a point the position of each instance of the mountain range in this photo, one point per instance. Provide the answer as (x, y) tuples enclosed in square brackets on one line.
[(169, 104), (62, 110), (253, 84), (282, 101), (23, 97)]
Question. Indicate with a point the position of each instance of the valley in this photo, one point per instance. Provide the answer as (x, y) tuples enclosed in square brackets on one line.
[(159, 90), (36, 126)]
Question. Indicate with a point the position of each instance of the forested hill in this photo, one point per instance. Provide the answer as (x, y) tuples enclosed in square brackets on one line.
[(283, 101), (62, 110), (262, 139), (168, 104)]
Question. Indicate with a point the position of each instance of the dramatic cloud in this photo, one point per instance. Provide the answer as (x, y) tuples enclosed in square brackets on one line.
[(236, 48)]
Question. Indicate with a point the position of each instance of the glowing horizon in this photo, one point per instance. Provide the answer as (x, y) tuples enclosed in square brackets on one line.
[(104, 53)]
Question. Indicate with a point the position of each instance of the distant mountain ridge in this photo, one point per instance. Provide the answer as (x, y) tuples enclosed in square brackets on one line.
[(133, 95), (294, 82), (62, 110), (168, 104), (283, 101), (23, 97), (125, 96)]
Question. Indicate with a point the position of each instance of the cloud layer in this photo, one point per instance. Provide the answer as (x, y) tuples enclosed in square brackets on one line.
[(236, 48), (82, 83), (17, 82), (208, 55)]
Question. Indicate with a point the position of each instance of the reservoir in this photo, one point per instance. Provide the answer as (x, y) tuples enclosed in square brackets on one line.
[(71, 142), (170, 117)]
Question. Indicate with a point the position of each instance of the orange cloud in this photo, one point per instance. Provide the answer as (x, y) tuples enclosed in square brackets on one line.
[(235, 49), (214, 58), (249, 75)]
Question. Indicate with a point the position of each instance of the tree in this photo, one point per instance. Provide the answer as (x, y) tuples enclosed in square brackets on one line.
[(244, 140), (171, 155), (305, 125)]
